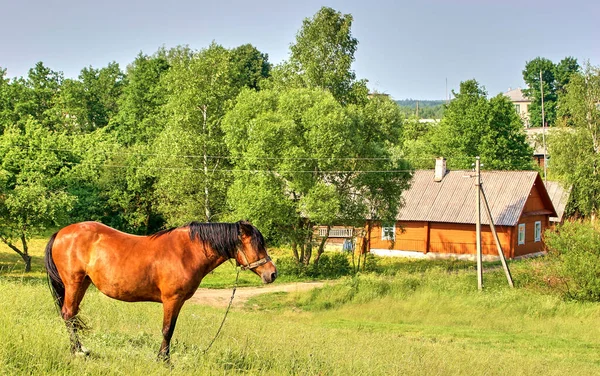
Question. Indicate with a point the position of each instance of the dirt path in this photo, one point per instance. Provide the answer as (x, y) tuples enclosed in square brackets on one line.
[(220, 297)]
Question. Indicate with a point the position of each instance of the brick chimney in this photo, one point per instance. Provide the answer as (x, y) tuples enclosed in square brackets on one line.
[(440, 169)]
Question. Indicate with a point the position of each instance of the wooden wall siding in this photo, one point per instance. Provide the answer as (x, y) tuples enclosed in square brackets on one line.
[(461, 239), (443, 238), (530, 246), (534, 201), (413, 238)]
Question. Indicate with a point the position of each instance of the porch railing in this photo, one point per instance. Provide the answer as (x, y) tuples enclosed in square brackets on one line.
[(336, 232)]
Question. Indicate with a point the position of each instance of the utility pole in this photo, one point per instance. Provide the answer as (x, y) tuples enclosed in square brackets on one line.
[(544, 131), (496, 239), (447, 99), (478, 225)]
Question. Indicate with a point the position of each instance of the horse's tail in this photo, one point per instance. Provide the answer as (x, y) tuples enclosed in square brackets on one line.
[(57, 287)]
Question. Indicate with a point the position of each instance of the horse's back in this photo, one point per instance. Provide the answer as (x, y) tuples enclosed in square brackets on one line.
[(78, 241), (116, 262)]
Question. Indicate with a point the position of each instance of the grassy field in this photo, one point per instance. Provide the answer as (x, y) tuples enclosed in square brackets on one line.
[(415, 318)]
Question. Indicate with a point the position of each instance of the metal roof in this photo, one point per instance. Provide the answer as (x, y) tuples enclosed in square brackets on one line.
[(559, 196), (453, 199), (516, 95)]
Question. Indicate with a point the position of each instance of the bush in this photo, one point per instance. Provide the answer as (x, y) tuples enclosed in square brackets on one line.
[(330, 266), (333, 266), (575, 260)]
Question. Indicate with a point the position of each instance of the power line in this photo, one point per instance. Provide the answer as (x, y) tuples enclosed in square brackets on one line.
[(191, 156), (245, 157), (185, 168)]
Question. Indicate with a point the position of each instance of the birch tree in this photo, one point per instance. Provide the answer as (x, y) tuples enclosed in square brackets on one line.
[(575, 146)]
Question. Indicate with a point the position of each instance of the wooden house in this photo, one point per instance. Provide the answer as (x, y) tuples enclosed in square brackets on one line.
[(438, 218)]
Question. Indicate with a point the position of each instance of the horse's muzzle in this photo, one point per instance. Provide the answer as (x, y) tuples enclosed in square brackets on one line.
[(269, 273)]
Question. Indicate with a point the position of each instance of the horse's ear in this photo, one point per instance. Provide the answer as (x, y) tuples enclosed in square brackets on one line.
[(246, 228)]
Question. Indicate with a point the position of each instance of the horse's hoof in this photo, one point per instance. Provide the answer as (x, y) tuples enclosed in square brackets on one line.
[(83, 352), (164, 358)]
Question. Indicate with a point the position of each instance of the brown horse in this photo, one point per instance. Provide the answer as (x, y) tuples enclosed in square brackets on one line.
[(166, 267)]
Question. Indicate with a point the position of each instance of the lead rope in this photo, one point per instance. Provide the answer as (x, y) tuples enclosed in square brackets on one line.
[(226, 312)]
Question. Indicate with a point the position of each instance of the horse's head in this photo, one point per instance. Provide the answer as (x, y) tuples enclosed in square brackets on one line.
[(253, 254)]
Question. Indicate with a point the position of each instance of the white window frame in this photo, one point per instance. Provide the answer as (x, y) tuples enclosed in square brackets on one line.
[(538, 231), (521, 234), (386, 230)]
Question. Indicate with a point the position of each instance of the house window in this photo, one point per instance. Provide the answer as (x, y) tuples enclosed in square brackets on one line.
[(521, 233), (538, 231), (518, 108), (388, 232)]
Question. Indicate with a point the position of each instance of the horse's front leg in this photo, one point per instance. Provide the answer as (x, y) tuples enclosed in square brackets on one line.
[(171, 310)]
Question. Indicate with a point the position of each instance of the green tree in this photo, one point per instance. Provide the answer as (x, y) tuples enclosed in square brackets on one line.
[(322, 57), (5, 100), (138, 119), (43, 88), (554, 77), (90, 102), (416, 144), (33, 196), (126, 185), (302, 159), (190, 150), (250, 66), (475, 126), (101, 91), (575, 146)]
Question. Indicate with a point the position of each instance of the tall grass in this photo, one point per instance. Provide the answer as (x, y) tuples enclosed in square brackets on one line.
[(412, 320), (575, 260)]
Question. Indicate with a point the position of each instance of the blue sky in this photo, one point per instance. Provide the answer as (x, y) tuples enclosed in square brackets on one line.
[(407, 49)]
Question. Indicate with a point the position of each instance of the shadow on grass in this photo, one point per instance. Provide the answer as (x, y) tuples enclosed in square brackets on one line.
[(410, 266), (12, 268)]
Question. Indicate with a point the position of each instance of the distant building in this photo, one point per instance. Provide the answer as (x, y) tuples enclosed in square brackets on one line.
[(521, 104), (438, 217), (535, 137)]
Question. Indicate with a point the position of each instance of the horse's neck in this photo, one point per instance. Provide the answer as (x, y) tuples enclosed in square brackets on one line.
[(208, 259)]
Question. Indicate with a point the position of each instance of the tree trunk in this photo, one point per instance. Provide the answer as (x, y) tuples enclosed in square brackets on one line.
[(24, 254), (207, 212), (295, 250), (367, 244), (353, 261), (321, 247), (366, 240), (302, 251), (364, 245), (308, 251)]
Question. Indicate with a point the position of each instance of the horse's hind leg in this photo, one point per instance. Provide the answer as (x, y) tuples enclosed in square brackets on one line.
[(74, 292)]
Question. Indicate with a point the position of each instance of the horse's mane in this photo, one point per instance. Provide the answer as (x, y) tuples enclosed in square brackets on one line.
[(224, 238)]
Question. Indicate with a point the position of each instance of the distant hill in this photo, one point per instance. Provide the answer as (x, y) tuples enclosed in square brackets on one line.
[(428, 109), (422, 103)]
